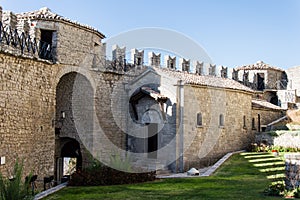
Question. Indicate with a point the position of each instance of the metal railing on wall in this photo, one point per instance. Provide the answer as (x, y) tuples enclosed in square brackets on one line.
[(25, 43)]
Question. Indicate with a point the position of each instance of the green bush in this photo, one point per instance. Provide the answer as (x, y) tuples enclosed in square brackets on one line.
[(122, 164), (275, 189), (297, 193), (103, 175), (14, 188)]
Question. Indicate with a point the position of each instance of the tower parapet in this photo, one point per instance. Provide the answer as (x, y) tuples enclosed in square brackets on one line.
[(118, 55), (199, 67), (184, 64), (137, 57), (224, 72), (170, 62), (212, 70), (154, 59)]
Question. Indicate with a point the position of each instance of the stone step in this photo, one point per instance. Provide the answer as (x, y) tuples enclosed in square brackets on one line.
[(163, 172)]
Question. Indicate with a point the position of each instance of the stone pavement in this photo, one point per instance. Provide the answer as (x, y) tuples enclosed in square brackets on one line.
[(50, 191), (207, 171)]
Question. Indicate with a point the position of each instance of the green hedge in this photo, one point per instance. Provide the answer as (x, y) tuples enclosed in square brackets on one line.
[(104, 175)]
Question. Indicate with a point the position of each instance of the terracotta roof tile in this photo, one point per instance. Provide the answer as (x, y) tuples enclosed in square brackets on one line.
[(155, 95), (212, 81), (264, 104), (46, 14), (259, 65)]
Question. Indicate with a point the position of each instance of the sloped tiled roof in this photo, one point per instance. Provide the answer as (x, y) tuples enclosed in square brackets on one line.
[(264, 104), (152, 93), (259, 65), (46, 14), (212, 81)]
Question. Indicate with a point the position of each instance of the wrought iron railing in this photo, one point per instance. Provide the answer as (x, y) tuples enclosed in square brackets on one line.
[(25, 43)]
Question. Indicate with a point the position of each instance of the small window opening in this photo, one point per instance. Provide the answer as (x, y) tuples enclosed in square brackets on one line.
[(244, 122), (45, 45), (221, 120), (253, 124), (199, 119)]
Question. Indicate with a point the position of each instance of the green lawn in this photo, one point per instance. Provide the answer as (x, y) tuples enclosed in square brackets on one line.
[(243, 176)]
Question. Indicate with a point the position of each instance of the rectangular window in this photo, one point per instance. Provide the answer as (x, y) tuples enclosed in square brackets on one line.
[(199, 119), (45, 46)]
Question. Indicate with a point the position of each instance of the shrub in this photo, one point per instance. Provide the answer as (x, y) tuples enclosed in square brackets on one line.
[(122, 164), (275, 189), (297, 192), (14, 188), (103, 175)]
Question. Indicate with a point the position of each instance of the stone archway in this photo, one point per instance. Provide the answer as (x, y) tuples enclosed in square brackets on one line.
[(71, 149), (67, 148), (74, 120)]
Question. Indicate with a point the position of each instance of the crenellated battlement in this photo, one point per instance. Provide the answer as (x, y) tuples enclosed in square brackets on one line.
[(122, 62), (258, 76), (45, 35)]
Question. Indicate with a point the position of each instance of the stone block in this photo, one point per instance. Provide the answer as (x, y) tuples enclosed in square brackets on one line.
[(9, 19), (23, 26)]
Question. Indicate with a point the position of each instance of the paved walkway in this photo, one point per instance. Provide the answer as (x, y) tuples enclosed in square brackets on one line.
[(207, 171), (50, 191), (184, 175)]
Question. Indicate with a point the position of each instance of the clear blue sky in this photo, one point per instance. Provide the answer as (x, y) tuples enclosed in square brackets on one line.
[(233, 32)]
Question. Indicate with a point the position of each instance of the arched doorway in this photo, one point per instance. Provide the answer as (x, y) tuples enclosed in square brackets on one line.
[(74, 122), (70, 158), (71, 149)]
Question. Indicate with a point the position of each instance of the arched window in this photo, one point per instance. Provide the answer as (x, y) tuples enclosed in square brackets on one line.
[(221, 120), (253, 124), (199, 119), (244, 122)]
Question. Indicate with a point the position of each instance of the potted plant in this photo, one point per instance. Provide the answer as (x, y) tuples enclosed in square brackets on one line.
[(275, 152)]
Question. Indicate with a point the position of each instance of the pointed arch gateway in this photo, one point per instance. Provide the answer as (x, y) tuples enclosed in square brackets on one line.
[(74, 101)]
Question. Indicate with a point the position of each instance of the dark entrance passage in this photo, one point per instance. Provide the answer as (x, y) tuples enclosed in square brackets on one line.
[(70, 149), (152, 140)]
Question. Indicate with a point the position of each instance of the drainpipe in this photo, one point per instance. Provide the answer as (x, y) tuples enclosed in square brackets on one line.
[(127, 89), (179, 127)]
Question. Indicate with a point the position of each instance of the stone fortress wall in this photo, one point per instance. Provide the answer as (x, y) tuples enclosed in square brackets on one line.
[(27, 110), (40, 103), (30, 92), (212, 138)]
